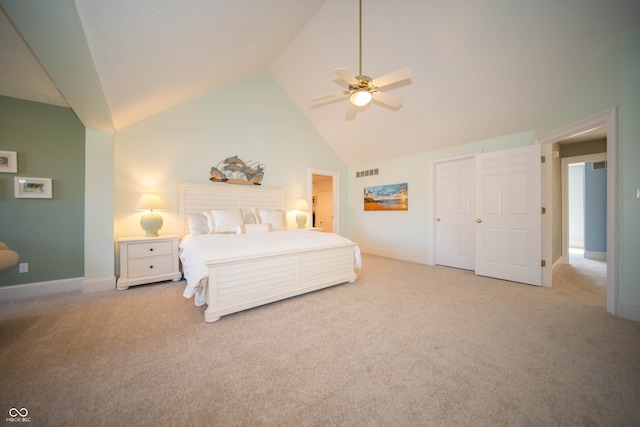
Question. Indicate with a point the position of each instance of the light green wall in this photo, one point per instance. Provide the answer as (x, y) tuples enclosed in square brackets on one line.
[(99, 191), (404, 234), (629, 171), (253, 119), (47, 233)]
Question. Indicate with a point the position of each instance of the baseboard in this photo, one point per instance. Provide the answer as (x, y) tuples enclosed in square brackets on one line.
[(394, 255), (99, 285), (558, 263), (38, 289), (630, 312), (602, 256)]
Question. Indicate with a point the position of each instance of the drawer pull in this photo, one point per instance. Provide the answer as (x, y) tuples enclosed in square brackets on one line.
[(150, 249), (151, 266)]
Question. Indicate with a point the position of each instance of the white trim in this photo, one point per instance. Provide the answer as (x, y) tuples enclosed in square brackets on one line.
[(335, 188), (402, 256), (431, 193), (630, 312), (610, 119), (601, 256), (38, 289), (99, 285)]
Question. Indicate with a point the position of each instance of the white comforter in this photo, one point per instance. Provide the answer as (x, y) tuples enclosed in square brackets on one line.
[(196, 250)]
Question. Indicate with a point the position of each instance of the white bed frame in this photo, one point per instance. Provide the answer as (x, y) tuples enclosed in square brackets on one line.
[(245, 282)]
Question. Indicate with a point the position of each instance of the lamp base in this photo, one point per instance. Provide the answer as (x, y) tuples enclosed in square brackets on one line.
[(151, 222), (301, 219)]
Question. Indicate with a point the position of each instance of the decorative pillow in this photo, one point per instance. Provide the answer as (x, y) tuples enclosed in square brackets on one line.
[(248, 216), (223, 220), (198, 224), (253, 228), (270, 217)]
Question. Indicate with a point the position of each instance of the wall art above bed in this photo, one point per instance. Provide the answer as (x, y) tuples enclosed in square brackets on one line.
[(235, 171)]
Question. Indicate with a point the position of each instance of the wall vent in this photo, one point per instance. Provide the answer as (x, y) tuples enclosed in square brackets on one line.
[(599, 165), (369, 172)]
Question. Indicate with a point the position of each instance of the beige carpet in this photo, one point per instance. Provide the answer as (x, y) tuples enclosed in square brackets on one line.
[(406, 344)]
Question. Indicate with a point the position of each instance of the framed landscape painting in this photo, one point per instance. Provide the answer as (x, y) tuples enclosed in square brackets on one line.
[(32, 188), (393, 197), (8, 161)]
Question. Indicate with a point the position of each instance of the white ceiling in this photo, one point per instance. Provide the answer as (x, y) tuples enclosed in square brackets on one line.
[(480, 69)]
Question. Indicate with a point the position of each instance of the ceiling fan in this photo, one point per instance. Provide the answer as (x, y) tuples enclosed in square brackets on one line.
[(363, 88)]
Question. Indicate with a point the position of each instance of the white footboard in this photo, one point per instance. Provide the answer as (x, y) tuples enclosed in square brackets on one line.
[(242, 283)]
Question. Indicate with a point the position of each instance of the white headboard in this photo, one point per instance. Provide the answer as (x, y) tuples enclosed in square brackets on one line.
[(194, 199)]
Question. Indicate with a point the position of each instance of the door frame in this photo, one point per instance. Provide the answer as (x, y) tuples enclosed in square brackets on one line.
[(431, 194), (335, 193), (609, 118)]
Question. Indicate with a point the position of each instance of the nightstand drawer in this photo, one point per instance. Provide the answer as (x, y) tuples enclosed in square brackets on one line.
[(139, 250), (149, 266)]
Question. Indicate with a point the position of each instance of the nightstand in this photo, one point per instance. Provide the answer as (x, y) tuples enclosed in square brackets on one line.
[(147, 260)]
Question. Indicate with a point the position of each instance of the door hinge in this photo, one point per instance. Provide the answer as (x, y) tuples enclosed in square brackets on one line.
[(543, 159), (543, 210), (543, 263)]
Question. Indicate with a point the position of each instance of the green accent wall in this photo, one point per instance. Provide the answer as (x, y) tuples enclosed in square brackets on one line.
[(47, 233)]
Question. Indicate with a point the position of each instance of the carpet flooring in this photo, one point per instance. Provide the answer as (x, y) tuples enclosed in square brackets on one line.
[(406, 344)]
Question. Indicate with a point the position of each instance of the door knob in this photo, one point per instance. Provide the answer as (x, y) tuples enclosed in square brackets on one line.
[(478, 220), (437, 219)]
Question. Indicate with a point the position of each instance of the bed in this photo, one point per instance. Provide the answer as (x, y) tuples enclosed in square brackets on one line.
[(230, 271)]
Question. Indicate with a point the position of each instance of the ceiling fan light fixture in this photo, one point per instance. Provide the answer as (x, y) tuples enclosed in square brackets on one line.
[(360, 98)]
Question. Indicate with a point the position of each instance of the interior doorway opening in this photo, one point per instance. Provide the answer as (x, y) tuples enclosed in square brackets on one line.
[(584, 244), (325, 202)]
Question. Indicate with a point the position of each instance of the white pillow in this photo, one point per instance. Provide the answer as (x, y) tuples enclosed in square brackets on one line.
[(224, 220), (270, 217), (253, 228), (198, 224)]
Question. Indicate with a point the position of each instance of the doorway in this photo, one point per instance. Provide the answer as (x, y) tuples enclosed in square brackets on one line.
[(325, 205), (584, 228), (606, 121)]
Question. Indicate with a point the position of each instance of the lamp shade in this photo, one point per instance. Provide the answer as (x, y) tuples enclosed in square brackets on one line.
[(360, 98), (149, 201), (302, 205)]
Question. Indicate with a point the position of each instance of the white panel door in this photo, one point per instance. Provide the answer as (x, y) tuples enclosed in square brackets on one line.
[(508, 203), (324, 211), (454, 211)]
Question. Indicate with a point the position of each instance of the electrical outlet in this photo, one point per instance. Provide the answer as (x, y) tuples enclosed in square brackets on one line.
[(23, 267)]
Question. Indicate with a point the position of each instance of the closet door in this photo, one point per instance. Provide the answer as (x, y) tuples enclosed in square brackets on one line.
[(455, 226), (508, 217)]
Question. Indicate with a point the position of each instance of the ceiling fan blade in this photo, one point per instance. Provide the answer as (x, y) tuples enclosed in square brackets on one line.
[(352, 110), (329, 96), (389, 100), (393, 77), (345, 75)]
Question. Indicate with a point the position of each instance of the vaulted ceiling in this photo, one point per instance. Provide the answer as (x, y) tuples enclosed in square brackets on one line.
[(480, 69)]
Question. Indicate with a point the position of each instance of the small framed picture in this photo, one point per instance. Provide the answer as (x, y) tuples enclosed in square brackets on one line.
[(32, 188), (8, 162)]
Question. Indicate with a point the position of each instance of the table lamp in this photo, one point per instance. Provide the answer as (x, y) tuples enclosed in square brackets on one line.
[(301, 217), (151, 222)]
